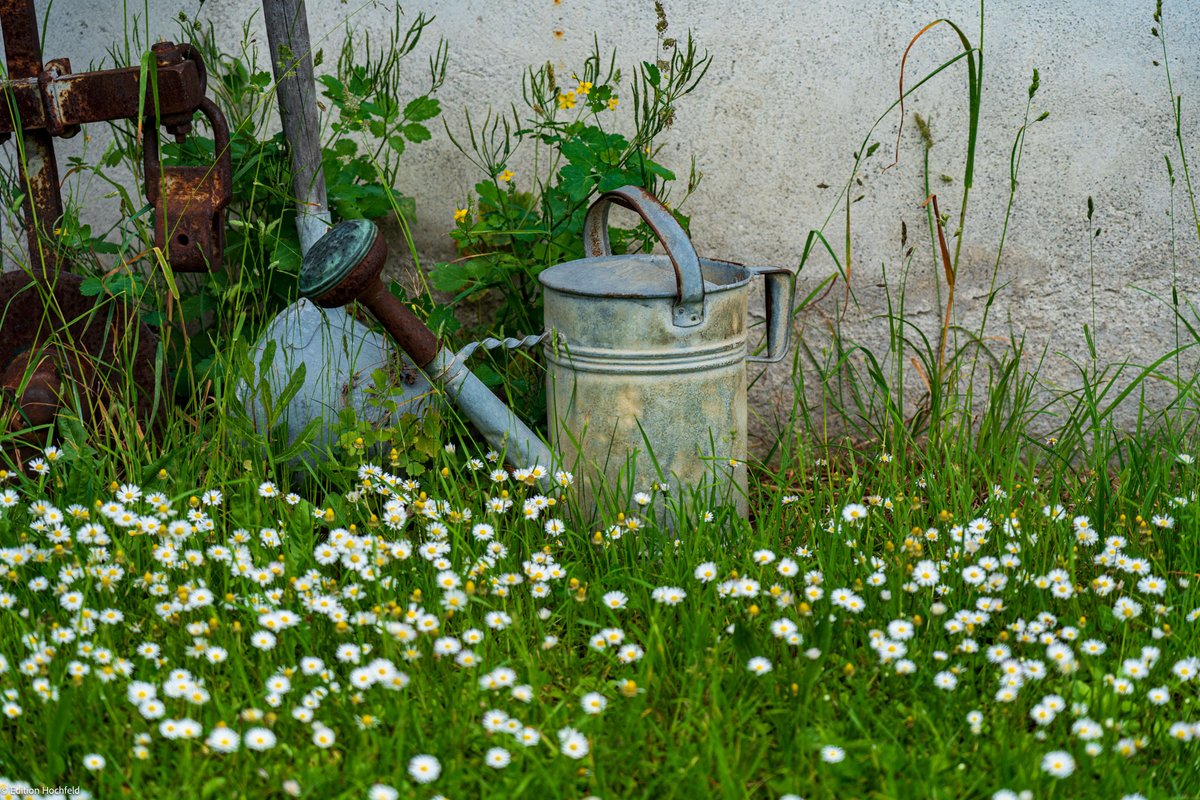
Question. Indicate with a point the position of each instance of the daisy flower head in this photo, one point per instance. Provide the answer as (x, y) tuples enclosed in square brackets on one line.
[(572, 743), (593, 703), (615, 600), (1058, 763), (1126, 608), (424, 768), (263, 640), (323, 737), (497, 758), (832, 754), (223, 740), (759, 665), (945, 681), (259, 739), (668, 595), (854, 512)]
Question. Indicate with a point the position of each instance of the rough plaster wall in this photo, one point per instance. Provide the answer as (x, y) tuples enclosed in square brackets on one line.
[(793, 89)]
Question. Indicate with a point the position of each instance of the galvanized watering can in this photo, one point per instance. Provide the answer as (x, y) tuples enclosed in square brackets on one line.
[(646, 364)]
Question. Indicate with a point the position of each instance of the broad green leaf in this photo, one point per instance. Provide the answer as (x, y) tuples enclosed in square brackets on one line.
[(651, 71), (91, 286), (417, 132), (422, 108)]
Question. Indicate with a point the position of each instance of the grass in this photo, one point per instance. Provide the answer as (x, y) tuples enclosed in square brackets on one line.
[(984, 590), (684, 714)]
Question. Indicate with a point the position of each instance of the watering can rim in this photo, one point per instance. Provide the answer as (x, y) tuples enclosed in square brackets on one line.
[(588, 277)]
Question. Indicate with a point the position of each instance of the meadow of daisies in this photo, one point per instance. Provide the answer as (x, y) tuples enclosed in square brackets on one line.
[(942, 604), (885, 626)]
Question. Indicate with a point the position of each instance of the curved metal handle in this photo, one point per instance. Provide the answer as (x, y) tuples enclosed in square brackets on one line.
[(222, 155), (780, 287), (688, 310)]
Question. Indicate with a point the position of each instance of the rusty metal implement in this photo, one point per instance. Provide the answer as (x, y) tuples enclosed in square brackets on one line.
[(58, 347), (646, 381), (344, 265), (43, 101)]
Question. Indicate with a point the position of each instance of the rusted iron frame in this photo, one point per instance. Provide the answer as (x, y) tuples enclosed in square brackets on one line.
[(47, 100), (42, 101), (57, 99)]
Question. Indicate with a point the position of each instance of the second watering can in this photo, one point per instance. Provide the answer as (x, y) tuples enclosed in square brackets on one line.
[(646, 367)]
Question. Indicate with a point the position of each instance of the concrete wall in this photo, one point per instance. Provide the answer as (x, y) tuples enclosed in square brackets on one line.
[(793, 89)]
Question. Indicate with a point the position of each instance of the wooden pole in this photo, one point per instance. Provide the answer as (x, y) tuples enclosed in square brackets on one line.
[(291, 61)]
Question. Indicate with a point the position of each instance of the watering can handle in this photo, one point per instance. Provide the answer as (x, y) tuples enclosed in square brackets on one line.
[(688, 310), (780, 286)]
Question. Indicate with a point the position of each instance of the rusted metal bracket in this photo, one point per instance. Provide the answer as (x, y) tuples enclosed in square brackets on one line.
[(58, 100), (189, 201), (42, 101)]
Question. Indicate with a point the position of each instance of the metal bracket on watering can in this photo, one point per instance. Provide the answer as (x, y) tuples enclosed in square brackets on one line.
[(459, 360), (688, 310)]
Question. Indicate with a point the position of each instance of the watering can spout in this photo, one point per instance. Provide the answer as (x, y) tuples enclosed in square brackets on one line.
[(345, 265)]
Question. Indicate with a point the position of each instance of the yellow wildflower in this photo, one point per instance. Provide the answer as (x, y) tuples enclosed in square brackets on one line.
[(612, 103), (506, 176), (460, 214), (566, 100)]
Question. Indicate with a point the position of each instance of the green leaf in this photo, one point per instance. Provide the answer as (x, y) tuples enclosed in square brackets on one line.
[(612, 180), (577, 181), (396, 142), (212, 785), (303, 440), (577, 152), (344, 148), (294, 384), (154, 318), (91, 286), (488, 376), (652, 75), (334, 89), (661, 171), (450, 277), (56, 731), (422, 108), (743, 642), (489, 192), (417, 132), (442, 320)]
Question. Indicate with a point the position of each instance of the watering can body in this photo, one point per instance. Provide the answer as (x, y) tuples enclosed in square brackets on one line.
[(646, 365)]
